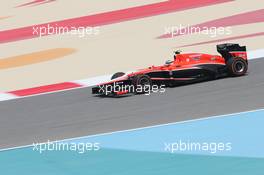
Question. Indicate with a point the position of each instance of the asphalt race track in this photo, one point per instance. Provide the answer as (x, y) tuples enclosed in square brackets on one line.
[(77, 112)]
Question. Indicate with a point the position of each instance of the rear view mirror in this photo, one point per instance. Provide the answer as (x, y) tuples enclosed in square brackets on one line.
[(168, 62)]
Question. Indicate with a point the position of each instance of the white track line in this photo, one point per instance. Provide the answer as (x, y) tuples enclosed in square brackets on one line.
[(255, 54), (6, 96)]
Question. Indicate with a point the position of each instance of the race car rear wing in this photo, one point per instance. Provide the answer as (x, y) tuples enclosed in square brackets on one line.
[(229, 50)]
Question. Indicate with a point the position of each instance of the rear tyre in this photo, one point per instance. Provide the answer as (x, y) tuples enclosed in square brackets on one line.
[(237, 66), (142, 84), (118, 74)]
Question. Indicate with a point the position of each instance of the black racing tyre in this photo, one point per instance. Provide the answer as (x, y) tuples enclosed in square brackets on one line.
[(116, 75), (142, 84), (237, 66)]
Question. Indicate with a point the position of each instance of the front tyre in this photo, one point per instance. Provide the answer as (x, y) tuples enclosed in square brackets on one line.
[(142, 84), (237, 66), (116, 75)]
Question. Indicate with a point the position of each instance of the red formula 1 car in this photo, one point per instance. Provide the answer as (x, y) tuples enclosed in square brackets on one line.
[(185, 68)]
